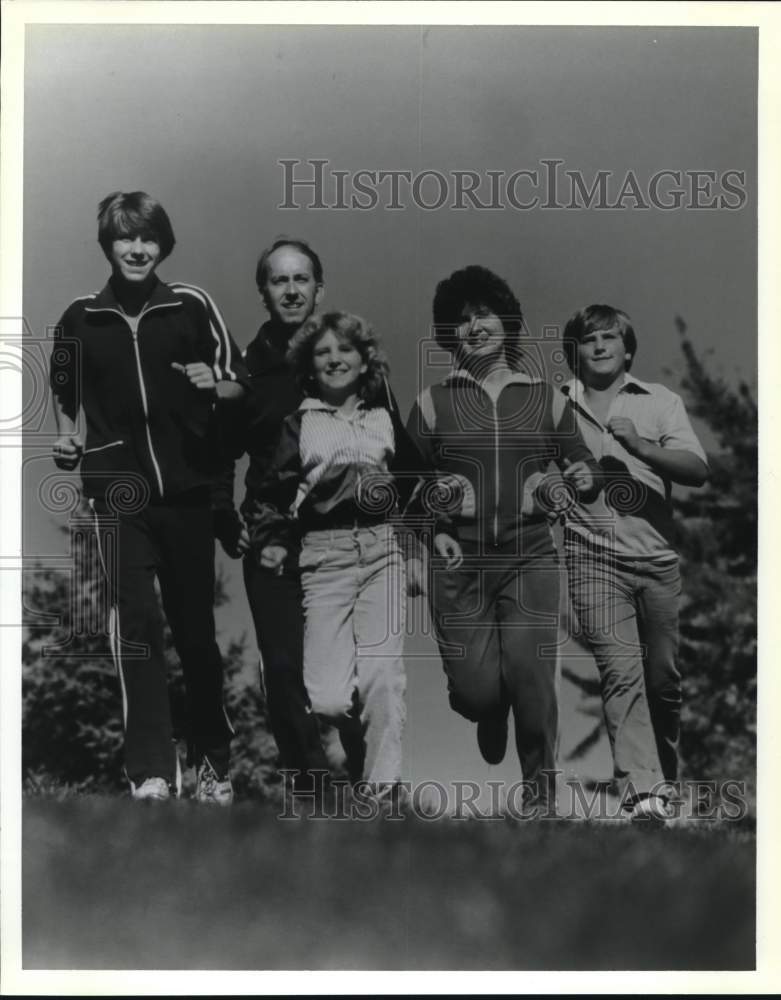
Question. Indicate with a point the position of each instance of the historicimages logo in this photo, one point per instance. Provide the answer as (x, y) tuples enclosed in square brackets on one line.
[(566, 799), (549, 184)]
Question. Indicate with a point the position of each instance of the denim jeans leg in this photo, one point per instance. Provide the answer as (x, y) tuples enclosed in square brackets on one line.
[(329, 578), (380, 615), (658, 598), (604, 600)]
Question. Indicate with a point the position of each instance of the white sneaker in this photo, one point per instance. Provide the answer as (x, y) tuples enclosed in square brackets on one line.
[(652, 810), (151, 790), (210, 788)]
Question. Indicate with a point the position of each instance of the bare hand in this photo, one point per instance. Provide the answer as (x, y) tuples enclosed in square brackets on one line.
[(449, 549), (272, 557), (67, 451), (580, 475), (241, 546), (624, 431), (199, 373)]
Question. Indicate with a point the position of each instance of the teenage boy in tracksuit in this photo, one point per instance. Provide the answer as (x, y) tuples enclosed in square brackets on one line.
[(148, 364), (491, 430)]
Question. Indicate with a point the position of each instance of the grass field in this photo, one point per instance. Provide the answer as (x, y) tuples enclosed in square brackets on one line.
[(109, 884)]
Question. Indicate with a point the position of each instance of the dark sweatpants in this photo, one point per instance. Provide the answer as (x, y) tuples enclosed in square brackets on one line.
[(497, 622), (275, 601), (175, 543)]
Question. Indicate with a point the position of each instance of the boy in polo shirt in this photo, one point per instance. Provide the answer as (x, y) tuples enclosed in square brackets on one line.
[(623, 568)]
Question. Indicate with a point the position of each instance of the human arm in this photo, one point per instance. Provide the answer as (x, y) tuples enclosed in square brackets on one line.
[(432, 497), (64, 380), (441, 495), (233, 435), (201, 376), (229, 527), (678, 465), (580, 471), (216, 350), (68, 448), (272, 491), (229, 392)]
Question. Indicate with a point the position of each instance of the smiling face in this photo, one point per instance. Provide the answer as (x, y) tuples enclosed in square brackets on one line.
[(134, 258), (337, 366), (480, 336), (290, 292), (602, 357)]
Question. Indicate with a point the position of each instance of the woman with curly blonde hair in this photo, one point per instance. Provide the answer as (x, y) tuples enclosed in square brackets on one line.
[(343, 467), (349, 329)]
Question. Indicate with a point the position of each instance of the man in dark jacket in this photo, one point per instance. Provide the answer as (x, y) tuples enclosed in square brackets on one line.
[(290, 281), (146, 365)]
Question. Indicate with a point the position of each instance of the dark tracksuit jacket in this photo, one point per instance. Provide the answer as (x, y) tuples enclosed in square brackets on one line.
[(253, 428), (497, 615), (493, 452), (151, 450), (144, 420)]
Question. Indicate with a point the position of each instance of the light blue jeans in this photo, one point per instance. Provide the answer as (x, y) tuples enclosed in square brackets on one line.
[(355, 606), (628, 610)]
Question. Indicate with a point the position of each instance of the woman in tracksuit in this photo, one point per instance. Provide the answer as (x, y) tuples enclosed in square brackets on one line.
[(145, 364), (491, 430)]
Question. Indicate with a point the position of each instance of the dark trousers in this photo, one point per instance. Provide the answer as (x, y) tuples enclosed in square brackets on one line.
[(275, 601), (174, 543), (497, 626)]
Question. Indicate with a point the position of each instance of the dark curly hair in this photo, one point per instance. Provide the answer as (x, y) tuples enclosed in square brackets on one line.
[(345, 326), (598, 317), (477, 286)]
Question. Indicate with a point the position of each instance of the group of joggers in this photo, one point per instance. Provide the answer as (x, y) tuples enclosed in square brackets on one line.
[(349, 509)]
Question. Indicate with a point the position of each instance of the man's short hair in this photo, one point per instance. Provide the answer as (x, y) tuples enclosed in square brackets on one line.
[(261, 271), (476, 286), (135, 213), (598, 317)]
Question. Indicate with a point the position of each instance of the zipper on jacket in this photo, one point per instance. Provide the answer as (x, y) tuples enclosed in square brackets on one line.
[(146, 408), (142, 386), (496, 468), (102, 447)]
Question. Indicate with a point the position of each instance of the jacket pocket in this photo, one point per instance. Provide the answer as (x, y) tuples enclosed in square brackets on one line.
[(313, 555), (107, 465), (103, 447)]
